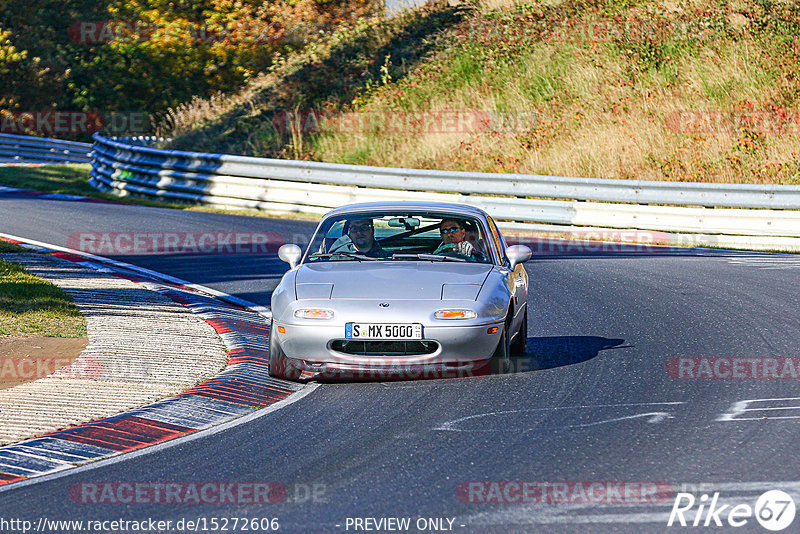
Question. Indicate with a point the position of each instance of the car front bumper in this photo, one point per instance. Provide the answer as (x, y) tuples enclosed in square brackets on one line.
[(461, 349)]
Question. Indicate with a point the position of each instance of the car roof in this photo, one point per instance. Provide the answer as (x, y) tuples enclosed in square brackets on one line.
[(446, 207)]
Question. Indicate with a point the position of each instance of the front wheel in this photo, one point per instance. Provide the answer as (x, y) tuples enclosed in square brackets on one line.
[(279, 364), (520, 344), (501, 359)]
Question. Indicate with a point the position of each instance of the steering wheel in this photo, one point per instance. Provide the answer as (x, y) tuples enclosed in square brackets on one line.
[(449, 250)]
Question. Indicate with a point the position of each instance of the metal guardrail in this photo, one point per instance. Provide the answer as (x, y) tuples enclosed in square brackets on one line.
[(28, 149), (519, 185), (299, 186), (130, 165)]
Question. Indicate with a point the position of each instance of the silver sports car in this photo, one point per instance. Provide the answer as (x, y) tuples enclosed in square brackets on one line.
[(399, 290)]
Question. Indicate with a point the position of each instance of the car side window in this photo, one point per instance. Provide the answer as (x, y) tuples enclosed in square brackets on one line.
[(497, 241), (334, 232)]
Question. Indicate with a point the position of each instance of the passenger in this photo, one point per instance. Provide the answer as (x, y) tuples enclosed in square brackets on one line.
[(454, 238), (360, 239)]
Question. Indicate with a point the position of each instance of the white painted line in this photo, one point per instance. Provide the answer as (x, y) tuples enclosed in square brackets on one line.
[(261, 310), (48, 454), (743, 406), (29, 454), (117, 457), (653, 417), (657, 416)]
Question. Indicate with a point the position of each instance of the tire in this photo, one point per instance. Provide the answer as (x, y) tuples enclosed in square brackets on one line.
[(501, 359), (520, 344), (279, 366)]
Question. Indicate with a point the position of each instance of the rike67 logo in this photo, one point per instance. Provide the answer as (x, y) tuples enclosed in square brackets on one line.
[(774, 510)]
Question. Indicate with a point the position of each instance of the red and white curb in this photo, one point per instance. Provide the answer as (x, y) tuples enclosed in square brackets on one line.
[(242, 388)]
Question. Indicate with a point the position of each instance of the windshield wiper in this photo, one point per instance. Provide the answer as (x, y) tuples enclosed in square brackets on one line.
[(429, 257), (353, 255)]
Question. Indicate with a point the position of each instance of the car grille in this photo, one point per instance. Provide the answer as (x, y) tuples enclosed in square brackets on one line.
[(384, 348)]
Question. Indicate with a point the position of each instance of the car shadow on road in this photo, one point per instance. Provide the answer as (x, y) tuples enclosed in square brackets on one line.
[(558, 351)]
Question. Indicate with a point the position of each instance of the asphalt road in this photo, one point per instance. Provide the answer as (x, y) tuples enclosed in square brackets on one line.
[(596, 410)]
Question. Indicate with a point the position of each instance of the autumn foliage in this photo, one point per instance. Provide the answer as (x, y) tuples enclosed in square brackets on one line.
[(149, 55)]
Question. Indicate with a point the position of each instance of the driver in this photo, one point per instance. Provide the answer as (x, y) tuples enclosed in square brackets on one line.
[(454, 238), (360, 238)]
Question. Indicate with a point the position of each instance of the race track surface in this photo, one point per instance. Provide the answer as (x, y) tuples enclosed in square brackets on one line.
[(644, 371)]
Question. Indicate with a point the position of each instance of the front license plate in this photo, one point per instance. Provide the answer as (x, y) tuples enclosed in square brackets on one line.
[(382, 331)]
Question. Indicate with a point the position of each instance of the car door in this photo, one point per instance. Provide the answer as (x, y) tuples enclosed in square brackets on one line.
[(516, 279)]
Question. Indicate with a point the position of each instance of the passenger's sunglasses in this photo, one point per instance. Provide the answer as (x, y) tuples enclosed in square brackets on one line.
[(452, 230), (361, 228)]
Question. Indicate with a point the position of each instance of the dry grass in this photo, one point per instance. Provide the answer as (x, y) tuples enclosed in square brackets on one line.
[(707, 115), (692, 90), (182, 119), (330, 73)]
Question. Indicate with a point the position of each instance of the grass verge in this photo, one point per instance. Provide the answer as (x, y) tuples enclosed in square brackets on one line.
[(66, 180), (685, 90), (5, 246), (74, 180), (32, 306)]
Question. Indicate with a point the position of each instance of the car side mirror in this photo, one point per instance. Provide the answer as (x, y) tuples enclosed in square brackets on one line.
[(517, 254), (291, 254)]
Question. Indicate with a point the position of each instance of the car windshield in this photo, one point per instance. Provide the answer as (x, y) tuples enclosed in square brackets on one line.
[(386, 236)]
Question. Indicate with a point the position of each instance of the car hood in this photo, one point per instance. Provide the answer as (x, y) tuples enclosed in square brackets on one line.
[(406, 280)]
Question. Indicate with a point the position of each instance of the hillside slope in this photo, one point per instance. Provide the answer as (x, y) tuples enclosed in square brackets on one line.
[(683, 90)]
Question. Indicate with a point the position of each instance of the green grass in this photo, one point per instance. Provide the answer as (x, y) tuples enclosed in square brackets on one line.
[(597, 88), (32, 306), (5, 246), (358, 156), (68, 180), (465, 67)]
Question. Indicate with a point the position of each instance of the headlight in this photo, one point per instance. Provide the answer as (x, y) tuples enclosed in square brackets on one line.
[(455, 314), (311, 313)]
